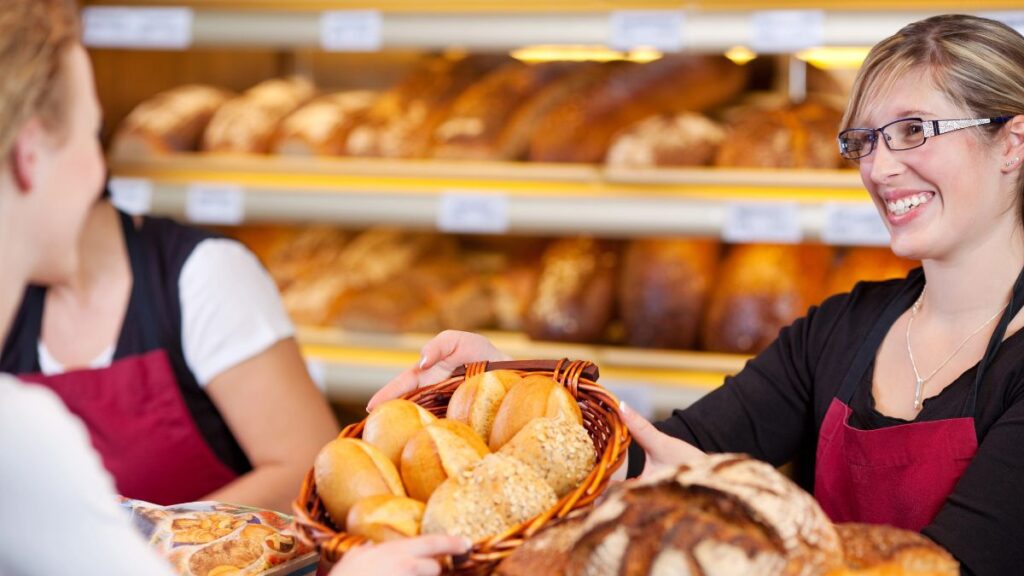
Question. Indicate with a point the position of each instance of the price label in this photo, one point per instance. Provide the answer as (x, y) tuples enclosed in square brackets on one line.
[(774, 31), (1012, 19), (351, 31), (156, 28), (851, 224), (215, 204), (659, 29), (131, 195), (473, 213), (777, 222)]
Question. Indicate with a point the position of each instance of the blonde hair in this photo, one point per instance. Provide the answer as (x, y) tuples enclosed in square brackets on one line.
[(34, 35)]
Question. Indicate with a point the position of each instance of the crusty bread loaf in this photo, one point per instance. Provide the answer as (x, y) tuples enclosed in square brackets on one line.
[(171, 121), (760, 289), (247, 124), (558, 448), (581, 129), (684, 139), (478, 125), (401, 123), (575, 291), (347, 470), (546, 552), (488, 499), (792, 136), (440, 450), (873, 550), (866, 264), (321, 127), (723, 515), (664, 289)]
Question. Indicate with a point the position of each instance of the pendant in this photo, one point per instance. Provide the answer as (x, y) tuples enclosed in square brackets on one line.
[(918, 390)]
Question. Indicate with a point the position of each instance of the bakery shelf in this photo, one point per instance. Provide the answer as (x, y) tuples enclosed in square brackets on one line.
[(535, 199), (709, 26), (352, 366)]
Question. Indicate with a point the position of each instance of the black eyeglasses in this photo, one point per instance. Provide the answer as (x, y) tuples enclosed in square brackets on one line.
[(904, 134)]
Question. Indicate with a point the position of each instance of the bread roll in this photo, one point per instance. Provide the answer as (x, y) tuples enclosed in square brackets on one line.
[(171, 121), (476, 402), (438, 451), (575, 292), (247, 124), (871, 550), (684, 139), (559, 449), (792, 136), (488, 499), (866, 264), (401, 123), (581, 129), (477, 127), (664, 289), (347, 470), (321, 127), (310, 251), (761, 289), (390, 426), (535, 397), (385, 517)]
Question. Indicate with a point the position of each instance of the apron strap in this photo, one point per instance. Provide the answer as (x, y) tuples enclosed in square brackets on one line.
[(1016, 302), (868, 350), (141, 292)]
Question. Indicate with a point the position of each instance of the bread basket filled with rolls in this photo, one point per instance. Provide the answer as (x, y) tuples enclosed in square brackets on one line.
[(493, 454)]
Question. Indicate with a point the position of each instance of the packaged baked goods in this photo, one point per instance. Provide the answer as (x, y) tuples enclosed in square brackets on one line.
[(214, 539), (866, 264), (247, 124), (664, 289), (791, 136), (171, 121), (684, 139), (762, 288), (321, 127)]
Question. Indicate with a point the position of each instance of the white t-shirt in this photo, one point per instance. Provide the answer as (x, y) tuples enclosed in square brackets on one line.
[(230, 311), (58, 512)]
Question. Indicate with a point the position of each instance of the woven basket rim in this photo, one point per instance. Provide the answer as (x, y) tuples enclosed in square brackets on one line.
[(311, 523)]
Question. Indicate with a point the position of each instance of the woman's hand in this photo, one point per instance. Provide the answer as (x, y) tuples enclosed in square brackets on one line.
[(407, 557), (439, 357), (661, 449)]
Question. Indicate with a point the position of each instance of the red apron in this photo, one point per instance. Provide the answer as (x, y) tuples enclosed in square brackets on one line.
[(899, 475), (136, 415)]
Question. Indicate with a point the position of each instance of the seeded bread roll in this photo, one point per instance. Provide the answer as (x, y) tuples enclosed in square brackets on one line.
[(488, 499), (558, 448), (171, 121)]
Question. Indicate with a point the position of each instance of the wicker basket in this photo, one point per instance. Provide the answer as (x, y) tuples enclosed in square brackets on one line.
[(599, 417)]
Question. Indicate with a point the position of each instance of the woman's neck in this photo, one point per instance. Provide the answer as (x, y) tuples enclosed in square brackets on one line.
[(101, 254), (15, 260)]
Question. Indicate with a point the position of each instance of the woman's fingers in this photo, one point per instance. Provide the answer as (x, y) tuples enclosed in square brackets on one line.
[(430, 546), (661, 448)]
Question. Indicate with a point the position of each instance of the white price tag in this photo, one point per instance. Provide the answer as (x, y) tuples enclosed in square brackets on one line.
[(850, 224), (659, 29), (131, 195), (158, 28), (777, 222), (215, 204), (317, 373), (351, 31), (473, 213), (775, 31), (1013, 19)]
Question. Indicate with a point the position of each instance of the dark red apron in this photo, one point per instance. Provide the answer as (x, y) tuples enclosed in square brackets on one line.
[(899, 475), (136, 415)]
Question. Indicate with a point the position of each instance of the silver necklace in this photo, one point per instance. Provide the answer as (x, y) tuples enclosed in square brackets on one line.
[(919, 387)]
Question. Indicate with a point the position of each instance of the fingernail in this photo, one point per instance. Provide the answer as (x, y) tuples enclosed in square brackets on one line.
[(622, 406), (423, 362)]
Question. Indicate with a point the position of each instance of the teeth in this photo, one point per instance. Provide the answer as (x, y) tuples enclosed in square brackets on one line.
[(904, 205)]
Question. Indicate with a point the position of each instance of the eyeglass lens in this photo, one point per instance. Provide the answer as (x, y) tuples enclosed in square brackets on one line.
[(902, 135)]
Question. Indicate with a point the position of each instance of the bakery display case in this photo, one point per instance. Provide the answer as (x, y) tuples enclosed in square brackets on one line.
[(401, 168)]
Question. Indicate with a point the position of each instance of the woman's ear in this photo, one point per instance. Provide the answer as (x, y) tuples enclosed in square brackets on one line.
[(1013, 149), (26, 155)]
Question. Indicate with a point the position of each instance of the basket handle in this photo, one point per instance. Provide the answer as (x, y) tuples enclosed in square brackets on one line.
[(561, 368)]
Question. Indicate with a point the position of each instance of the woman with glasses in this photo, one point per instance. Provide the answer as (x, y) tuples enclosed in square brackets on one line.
[(902, 401)]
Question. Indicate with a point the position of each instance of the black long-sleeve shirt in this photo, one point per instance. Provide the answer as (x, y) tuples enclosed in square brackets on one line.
[(774, 407)]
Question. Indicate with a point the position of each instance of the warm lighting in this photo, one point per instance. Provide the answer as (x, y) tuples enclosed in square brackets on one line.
[(740, 54), (834, 58), (582, 53)]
